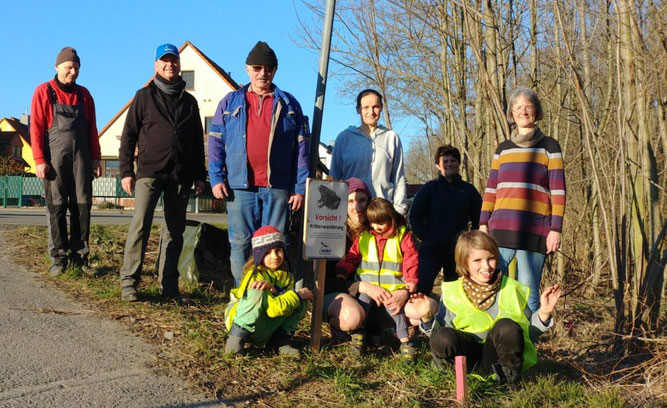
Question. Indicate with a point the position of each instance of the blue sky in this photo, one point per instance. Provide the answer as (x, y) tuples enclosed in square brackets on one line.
[(116, 41)]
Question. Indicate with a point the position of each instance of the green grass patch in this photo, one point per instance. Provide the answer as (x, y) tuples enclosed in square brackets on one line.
[(547, 391), (192, 339)]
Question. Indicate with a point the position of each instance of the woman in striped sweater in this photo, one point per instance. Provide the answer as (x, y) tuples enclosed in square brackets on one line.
[(524, 200)]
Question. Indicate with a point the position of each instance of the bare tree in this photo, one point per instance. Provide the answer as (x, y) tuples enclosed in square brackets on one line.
[(600, 68)]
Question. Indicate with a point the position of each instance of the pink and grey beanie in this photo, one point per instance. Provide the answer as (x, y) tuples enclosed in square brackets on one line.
[(264, 239)]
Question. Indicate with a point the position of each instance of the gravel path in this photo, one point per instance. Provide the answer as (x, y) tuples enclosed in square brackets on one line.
[(54, 352)]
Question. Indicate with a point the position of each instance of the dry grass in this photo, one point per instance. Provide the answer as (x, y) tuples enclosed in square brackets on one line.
[(582, 364)]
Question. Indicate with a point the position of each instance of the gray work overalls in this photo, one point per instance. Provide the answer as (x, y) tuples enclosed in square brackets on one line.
[(69, 182)]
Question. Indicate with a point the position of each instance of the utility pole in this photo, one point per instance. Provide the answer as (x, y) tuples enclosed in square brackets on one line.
[(321, 87)]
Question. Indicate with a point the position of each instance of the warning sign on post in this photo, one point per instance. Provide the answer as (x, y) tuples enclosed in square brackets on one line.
[(326, 213)]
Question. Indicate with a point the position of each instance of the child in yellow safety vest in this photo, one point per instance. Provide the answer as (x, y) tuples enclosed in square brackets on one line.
[(484, 315), (385, 257), (265, 308)]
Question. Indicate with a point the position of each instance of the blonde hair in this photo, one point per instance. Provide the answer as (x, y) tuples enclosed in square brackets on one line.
[(469, 241), (249, 265)]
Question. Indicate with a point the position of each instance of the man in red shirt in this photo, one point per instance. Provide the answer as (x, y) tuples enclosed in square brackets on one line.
[(66, 150), (258, 155)]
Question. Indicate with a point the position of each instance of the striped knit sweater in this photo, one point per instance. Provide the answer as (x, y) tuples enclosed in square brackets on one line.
[(525, 195)]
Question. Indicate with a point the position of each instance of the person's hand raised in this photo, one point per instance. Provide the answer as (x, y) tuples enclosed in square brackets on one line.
[(548, 301)]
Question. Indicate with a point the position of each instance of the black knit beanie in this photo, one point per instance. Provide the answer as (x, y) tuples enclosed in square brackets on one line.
[(262, 54), (67, 54)]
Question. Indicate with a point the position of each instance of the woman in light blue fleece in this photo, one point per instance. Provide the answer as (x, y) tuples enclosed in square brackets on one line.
[(372, 153)]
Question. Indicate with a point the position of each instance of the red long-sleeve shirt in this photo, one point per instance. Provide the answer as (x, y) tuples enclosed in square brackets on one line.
[(42, 117), (352, 259), (258, 131)]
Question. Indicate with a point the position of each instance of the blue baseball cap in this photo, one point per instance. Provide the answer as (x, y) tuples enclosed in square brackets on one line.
[(165, 49)]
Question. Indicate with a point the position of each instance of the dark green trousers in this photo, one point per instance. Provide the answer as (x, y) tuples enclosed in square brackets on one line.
[(147, 192)]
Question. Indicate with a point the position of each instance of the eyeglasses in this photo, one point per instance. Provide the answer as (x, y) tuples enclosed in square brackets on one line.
[(258, 68), (527, 108)]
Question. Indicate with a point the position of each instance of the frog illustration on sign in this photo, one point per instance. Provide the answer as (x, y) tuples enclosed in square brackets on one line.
[(328, 198)]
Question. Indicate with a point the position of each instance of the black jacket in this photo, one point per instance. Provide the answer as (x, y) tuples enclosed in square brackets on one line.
[(169, 148), (441, 210)]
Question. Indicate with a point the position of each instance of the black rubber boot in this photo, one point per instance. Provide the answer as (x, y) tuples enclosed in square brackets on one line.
[(236, 341), (506, 375), (280, 343)]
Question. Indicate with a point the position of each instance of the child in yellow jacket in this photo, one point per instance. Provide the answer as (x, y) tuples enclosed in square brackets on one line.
[(265, 308)]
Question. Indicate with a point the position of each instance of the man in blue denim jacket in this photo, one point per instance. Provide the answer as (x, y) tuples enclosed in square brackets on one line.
[(258, 155)]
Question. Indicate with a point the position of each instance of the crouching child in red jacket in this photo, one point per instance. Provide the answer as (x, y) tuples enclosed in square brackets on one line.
[(385, 257)]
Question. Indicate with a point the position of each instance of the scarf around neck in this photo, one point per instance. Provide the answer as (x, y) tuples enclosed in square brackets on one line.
[(482, 296), (530, 139), (69, 88), (170, 88)]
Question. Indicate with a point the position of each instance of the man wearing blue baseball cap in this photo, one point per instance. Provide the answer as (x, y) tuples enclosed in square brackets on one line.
[(164, 126)]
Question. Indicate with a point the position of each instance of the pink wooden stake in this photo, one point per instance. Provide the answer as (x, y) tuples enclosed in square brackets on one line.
[(461, 379)]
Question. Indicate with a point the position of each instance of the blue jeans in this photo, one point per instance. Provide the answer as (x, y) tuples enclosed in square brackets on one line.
[(247, 211), (528, 271)]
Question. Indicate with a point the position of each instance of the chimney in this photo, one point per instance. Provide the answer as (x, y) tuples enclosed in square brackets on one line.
[(25, 119)]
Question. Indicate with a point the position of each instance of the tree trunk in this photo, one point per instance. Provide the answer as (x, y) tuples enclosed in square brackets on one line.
[(533, 44)]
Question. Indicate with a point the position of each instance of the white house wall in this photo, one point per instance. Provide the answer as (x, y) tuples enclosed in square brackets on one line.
[(110, 139), (209, 86)]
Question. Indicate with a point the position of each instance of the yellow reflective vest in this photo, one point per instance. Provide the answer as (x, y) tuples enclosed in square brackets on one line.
[(282, 304), (386, 272), (512, 299)]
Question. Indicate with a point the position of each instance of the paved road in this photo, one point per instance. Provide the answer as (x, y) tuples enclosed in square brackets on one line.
[(75, 358), (36, 216)]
